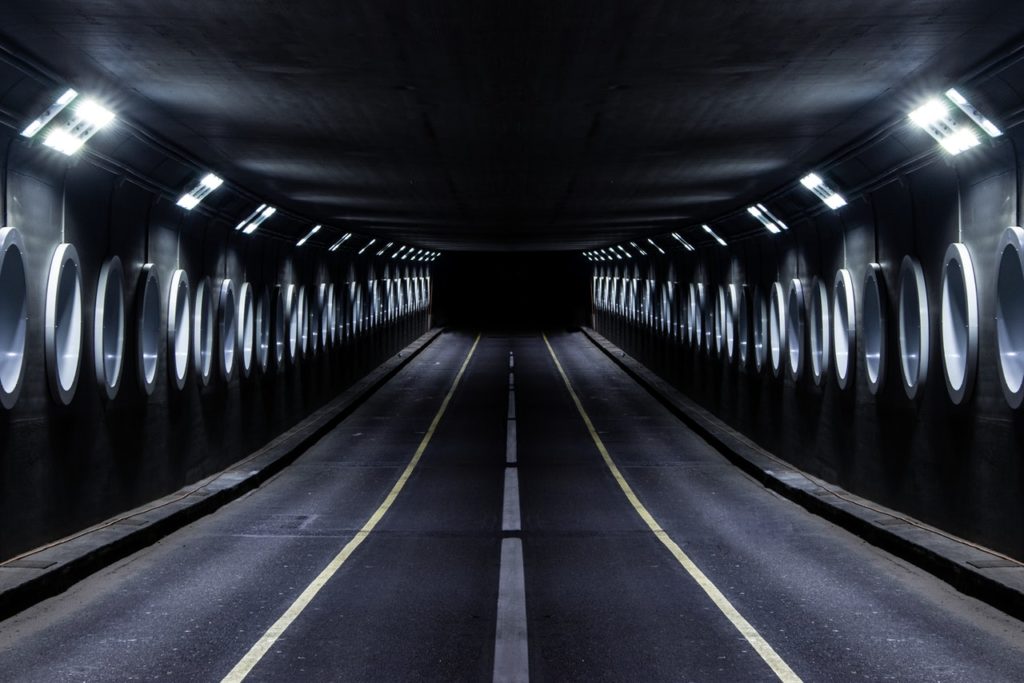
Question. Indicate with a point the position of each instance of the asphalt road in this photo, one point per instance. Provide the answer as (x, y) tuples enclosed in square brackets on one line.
[(596, 594)]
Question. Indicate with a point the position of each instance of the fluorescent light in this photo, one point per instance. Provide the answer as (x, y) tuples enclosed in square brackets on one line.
[(835, 201), (708, 230), (821, 189), (966, 107), (767, 219), (811, 181), (334, 247), (935, 117), (255, 219), (642, 252), (411, 252), (86, 119), (652, 243), (928, 113), (205, 186), (367, 246), (386, 247), (313, 231), (399, 251), (63, 141), (91, 113), (51, 111), (959, 141), (679, 238), (623, 250)]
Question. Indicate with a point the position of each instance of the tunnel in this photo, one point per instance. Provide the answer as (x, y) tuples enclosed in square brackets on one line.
[(452, 340)]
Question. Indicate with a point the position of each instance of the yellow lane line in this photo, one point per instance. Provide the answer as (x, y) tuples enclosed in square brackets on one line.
[(768, 654), (263, 645)]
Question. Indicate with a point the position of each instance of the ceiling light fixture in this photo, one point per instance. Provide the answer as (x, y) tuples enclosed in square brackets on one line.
[(70, 131), (386, 247), (814, 183), (315, 230), (686, 245), (936, 117), (708, 230), (653, 244), (642, 252), (399, 251), (767, 219), (341, 241), (255, 219), (51, 111), (623, 250), (204, 187), (966, 107), (368, 245)]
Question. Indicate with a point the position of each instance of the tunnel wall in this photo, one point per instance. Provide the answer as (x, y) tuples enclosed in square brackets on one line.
[(511, 291), (63, 468), (957, 467)]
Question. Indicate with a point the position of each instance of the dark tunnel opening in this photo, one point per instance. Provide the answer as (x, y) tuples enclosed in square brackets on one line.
[(512, 292)]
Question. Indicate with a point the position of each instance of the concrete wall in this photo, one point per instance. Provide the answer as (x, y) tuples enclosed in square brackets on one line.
[(958, 467), (65, 467)]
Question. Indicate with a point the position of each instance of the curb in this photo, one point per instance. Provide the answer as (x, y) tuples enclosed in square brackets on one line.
[(971, 569), (37, 575)]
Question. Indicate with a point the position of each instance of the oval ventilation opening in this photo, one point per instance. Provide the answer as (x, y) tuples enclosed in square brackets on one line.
[(179, 327), (202, 332), (777, 328), (873, 327), (820, 330), (914, 333), (1010, 315), (109, 327), (13, 316), (959, 323), (148, 329)]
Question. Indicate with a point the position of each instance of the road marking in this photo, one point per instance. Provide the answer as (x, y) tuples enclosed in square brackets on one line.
[(511, 379), (511, 360), (511, 657), (511, 405), (510, 510), (510, 443), (768, 654), (263, 645)]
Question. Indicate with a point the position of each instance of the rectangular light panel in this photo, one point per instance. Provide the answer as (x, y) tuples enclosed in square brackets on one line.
[(203, 188), (767, 219), (708, 230), (831, 198)]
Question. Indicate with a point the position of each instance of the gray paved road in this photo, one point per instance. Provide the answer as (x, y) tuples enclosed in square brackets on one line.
[(604, 598)]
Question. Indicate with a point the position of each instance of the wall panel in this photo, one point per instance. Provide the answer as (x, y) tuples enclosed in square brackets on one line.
[(957, 467), (64, 468)]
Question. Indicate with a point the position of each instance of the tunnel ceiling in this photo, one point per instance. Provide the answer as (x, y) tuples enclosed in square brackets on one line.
[(497, 125)]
